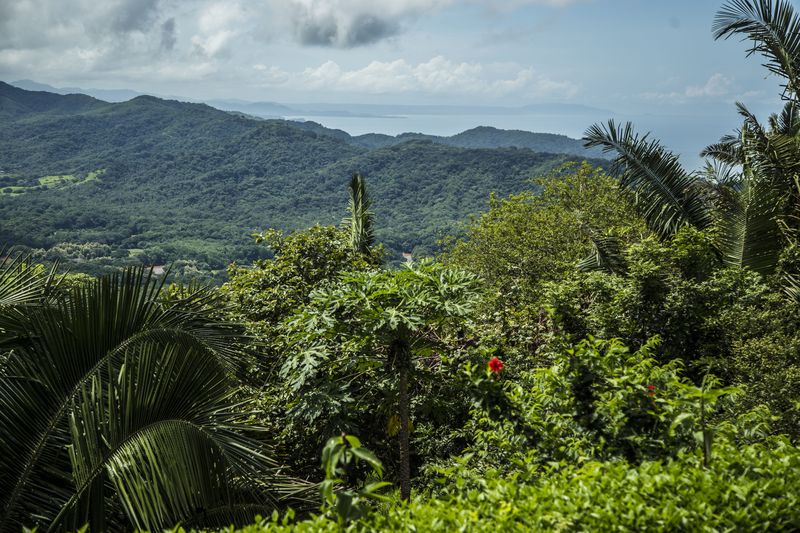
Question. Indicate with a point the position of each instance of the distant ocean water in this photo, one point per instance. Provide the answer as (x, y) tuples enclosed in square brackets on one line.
[(684, 135)]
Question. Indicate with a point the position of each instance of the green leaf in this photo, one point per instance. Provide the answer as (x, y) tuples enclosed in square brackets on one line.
[(666, 195)]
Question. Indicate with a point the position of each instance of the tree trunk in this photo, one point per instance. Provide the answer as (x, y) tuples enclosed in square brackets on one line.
[(403, 362)]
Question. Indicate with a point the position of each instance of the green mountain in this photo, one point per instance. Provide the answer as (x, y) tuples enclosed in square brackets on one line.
[(156, 181), (15, 102), (488, 137)]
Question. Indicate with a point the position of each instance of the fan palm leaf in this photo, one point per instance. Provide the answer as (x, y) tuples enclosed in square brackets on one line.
[(788, 121), (748, 224), (23, 286), (728, 150), (21, 282), (140, 426), (749, 198), (85, 341)]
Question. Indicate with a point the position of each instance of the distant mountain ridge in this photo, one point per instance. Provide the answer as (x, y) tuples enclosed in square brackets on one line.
[(16, 102), (389, 110), (488, 137), (108, 95), (479, 137), (154, 181), (326, 109)]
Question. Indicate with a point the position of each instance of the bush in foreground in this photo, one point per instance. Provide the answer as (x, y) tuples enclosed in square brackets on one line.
[(755, 487)]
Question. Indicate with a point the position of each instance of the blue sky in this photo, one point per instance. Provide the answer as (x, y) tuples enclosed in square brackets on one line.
[(630, 56)]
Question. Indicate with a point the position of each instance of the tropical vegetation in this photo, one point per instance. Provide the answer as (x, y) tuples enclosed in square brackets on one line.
[(602, 352)]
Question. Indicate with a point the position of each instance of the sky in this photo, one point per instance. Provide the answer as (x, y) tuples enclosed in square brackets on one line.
[(631, 56)]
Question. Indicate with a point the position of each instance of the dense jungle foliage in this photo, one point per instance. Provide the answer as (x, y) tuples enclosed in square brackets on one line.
[(599, 353), (148, 182)]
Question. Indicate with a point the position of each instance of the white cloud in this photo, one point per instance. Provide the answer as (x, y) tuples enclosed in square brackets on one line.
[(217, 25), (510, 5), (60, 25), (438, 75), (718, 85), (43, 23)]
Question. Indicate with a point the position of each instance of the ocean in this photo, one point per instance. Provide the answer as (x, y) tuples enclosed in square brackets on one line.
[(684, 135)]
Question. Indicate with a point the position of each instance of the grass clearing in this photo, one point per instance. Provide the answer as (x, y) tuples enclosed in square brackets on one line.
[(52, 182)]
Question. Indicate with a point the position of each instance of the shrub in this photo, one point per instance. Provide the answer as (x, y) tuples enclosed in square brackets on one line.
[(751, 488), (597, 401), (727, 320)]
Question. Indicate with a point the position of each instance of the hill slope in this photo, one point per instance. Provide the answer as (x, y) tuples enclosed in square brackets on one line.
[(15, 102), (155, 181), (488, 137)]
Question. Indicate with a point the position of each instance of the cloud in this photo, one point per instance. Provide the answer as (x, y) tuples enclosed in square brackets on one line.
[(363, 29), (112, 40), (168, 37), (511, 5), (348, 23), (63, 24), (439, 75), (40, 23), (718, 85), (351, 23), (143, 43), (130, 15), (218, 24)]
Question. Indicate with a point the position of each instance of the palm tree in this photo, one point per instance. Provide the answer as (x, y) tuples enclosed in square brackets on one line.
[(757, 200), (749, 195), (361, 219), (118, 409)]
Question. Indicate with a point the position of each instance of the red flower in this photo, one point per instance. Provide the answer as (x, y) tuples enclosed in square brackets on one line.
[(495, 365), (651, 390)]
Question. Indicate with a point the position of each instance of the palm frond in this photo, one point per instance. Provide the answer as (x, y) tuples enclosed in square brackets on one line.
[(718, 173), (361, 219), (607, 255), (788, 121), (770, 154), (166, 449), (24, 287), (21, 282), (667, 196), (92, 328), (753, 127), (774, 29), (728, 150), (748, 214), (790, 283)]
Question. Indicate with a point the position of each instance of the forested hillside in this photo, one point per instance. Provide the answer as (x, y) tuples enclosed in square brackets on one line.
[(487, 137), (155, 181)]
